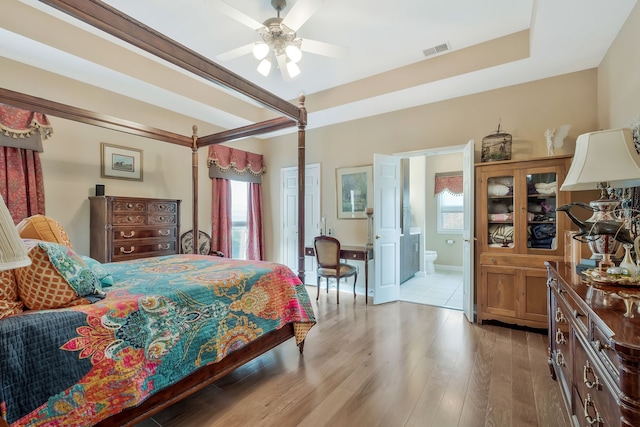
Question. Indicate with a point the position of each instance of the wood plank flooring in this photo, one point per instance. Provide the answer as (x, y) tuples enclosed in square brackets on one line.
[(397, 364)]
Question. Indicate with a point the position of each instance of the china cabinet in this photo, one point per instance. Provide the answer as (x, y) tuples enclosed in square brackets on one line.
[(517, 230)]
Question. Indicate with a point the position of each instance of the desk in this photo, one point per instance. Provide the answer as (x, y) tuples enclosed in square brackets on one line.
[(356, 253)]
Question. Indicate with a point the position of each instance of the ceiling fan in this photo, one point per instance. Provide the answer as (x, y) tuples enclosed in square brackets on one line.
[(278, 36)]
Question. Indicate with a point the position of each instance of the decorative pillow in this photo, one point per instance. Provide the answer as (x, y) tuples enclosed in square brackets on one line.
[(42, 227), (9, 303), (57, 277), (106, 279)]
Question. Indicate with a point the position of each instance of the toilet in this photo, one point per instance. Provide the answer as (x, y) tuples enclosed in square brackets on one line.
[(429, 258)]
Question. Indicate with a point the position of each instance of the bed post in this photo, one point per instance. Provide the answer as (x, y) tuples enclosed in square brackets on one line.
[(302, 123), (194, 186)]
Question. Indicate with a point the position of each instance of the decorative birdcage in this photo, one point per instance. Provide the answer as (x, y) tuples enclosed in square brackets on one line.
[(496, 146)]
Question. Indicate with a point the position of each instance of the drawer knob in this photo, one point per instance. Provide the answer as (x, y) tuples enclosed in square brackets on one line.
[(560, 339), (588, 418), (164, 247), (588, 370), (127, 236), (576, 314), (552, 281), (600, 346), (560, 359), (130, 205), (164, 232), (130, 251), (559, 315)]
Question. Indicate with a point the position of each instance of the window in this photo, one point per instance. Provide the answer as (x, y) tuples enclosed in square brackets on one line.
[(450, 213), (239, 204)]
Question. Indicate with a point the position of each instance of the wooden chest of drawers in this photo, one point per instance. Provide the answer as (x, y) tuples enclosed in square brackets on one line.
[(124, 228), (594, 350)]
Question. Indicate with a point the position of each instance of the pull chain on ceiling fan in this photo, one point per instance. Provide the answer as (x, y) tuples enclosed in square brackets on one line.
[(279, 36)]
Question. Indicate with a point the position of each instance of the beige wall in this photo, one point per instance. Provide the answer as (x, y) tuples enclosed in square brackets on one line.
[(618, 81), (526, 111)]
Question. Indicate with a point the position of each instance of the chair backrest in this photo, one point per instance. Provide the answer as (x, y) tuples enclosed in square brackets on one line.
[(186, 242), (327, 251)]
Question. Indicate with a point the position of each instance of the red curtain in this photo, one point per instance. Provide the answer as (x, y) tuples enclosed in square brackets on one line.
[(21, 182), (255, 227), (448, 182), (221, 216)]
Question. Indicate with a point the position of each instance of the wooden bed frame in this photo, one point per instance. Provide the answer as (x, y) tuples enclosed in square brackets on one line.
[(122, 26)]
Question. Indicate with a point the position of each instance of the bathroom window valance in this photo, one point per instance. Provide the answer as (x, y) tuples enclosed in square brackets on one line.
[(231, 163), (448, 181), (23, 128)]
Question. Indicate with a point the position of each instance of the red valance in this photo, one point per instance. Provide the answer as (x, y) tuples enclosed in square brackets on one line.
[(231, 159), (19, 123), (448, 182)]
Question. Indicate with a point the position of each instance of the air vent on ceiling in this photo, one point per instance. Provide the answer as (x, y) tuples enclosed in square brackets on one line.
[(436, 49)]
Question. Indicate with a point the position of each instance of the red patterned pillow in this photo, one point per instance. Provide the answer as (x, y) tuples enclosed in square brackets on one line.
[(9, 302)]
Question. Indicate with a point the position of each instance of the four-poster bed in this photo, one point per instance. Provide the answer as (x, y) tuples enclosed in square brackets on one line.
[(117, 24)]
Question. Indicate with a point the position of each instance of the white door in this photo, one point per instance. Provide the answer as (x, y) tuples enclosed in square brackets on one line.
[(468, 233), (386, 228), (289, 177)]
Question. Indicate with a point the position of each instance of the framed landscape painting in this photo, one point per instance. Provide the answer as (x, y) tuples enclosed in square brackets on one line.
[(354, 189), (120, 162)]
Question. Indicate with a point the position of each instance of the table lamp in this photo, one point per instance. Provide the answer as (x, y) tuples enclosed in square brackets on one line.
[(603, 160), (13, 252)]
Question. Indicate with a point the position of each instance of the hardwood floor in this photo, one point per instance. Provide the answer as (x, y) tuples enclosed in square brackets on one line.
[(397, 364)]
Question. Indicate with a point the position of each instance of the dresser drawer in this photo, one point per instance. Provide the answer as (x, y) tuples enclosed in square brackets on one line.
[(159, 218), (128, 233), (601, 343), (141, 249), (561, 342), (593, 385), (129, 206), (129, 219), (162, 207)]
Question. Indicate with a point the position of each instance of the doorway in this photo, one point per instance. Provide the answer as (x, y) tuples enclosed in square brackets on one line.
[(435, 224)]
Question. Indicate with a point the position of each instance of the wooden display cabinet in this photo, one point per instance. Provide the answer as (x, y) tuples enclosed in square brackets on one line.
[(517, 230)]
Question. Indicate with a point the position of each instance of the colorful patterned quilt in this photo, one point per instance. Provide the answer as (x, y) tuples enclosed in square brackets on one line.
[(163, 319)]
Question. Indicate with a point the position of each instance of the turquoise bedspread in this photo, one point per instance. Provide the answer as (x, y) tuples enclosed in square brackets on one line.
[(163, 319)]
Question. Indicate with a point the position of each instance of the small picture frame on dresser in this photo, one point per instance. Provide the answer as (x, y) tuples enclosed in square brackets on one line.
[(120, 162)]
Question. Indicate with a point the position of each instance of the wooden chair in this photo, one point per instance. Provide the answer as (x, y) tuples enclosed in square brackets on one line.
[(204, 244), (328, 257)]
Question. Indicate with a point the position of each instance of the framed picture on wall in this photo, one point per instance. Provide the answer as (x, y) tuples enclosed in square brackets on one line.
[(354, 189), (120, 162)]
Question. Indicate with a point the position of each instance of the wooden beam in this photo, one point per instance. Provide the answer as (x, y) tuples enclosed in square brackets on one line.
[(302, 124), (246, 131), (68, 112), (124, 27)]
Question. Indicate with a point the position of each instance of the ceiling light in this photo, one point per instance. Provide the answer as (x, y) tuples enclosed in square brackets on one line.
[(293, 53), (292, 69), (260, 50), (265, 67)]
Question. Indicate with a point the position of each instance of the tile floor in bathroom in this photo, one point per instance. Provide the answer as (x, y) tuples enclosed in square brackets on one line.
[(443, 289)]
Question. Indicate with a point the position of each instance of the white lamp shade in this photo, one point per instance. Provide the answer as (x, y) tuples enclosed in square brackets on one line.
[(264, 67), (13, 252), (293, 69), (260, 50), (605, 156), (293, 53)]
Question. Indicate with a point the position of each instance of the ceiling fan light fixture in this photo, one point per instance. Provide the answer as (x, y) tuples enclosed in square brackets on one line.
[(264, 67), (293, 52), (260, 50), (293, 69)]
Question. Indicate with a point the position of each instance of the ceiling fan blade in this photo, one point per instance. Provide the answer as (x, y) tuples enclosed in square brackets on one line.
[(300, 13), (235, 53), (238, 15), (325, 49), (282, 64)]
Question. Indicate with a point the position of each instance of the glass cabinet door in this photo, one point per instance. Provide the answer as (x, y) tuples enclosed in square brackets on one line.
[(500, 209), (542, 229)]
